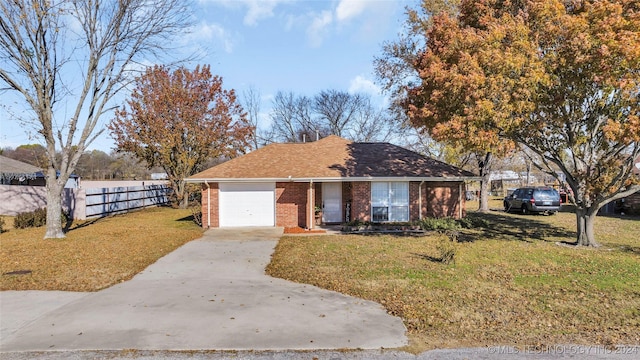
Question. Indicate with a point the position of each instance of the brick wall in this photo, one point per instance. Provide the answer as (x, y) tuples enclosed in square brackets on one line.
[(210, 193), (361, 203), (438, 200), (291, 203), (414, 201), (442, 200)]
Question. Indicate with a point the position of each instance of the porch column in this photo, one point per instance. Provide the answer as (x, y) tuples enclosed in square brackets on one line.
[(310, 206)]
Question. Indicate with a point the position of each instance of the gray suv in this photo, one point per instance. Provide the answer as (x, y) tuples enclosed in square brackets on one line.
[(533, 200)]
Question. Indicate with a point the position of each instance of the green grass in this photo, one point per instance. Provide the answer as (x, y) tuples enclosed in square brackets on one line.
[(95, 254), (511, 282)]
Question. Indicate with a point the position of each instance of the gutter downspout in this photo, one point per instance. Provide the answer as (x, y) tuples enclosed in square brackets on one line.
[(312, 202), (420, 200), (208, 204), (460, 200)]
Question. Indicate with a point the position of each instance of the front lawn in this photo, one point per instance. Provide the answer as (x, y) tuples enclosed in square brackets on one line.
[(511, 283), (95, 254)]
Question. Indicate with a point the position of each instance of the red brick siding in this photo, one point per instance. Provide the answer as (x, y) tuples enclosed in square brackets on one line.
[(632, 203), (438, 200), (443, 199), (414, 201), (291, 202), (214, 190), (361, 203)]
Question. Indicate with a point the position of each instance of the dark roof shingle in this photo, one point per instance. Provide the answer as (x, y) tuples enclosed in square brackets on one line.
[(331, 157)]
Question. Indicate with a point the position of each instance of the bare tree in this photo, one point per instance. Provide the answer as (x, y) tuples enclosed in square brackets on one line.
[(331, 112), (251, 103), (369, 124), (338, 109), (291, 118), (77, 53)]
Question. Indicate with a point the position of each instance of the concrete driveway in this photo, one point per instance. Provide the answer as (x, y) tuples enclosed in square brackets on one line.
[(211, 293)]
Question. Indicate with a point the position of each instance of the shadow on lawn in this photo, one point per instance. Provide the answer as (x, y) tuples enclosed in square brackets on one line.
[(511, 227), (71, 226), (630, 249), (189, 218), (428, 257)]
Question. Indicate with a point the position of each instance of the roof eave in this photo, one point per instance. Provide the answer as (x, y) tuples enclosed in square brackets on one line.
[(336, 179)]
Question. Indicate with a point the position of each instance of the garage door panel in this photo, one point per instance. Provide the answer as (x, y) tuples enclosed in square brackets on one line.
[(247, 204)]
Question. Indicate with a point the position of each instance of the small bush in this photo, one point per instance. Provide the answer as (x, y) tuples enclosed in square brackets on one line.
[(446, 224), (447, 249), (439, 224), (35, 218), (472, 222), (1, 225), (31, 219)]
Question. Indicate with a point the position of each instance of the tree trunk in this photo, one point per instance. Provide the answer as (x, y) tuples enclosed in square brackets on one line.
[(485, 173), (54, 207), (181, 199), (484, 194), (585, 218)]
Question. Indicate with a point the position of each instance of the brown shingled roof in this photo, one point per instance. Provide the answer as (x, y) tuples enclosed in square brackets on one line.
[(331, 157)]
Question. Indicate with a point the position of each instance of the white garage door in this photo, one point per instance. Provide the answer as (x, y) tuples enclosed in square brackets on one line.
[(247, 204)]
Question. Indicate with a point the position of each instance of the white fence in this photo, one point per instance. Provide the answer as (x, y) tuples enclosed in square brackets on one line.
[(106, 201), (88, 201)]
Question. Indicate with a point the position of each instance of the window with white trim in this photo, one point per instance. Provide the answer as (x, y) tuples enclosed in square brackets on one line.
[(389, 201)]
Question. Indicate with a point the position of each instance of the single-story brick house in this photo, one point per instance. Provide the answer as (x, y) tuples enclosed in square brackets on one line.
[(290, 184)]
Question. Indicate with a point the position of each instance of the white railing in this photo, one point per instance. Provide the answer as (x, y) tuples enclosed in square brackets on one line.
[(106, 201), (85, 202)]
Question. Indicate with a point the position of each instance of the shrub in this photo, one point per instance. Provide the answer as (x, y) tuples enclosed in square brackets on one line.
[(30, 219), (439, 224), (448, 223), (35, 218), (447, 249), (1, 225), (471, 222)]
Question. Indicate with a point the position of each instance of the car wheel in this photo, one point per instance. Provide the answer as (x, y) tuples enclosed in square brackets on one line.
[(524, 210), (506, 207)]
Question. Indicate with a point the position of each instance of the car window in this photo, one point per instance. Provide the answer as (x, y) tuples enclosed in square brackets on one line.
[(547, 194)]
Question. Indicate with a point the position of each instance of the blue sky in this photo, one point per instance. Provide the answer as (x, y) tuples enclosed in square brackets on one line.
[(302, 46)]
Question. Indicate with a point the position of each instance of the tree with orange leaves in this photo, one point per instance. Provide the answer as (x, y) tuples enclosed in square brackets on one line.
[(560, 78), (180, 119)]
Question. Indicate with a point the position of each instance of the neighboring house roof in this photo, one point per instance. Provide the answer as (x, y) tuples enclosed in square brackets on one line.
[(13, 169), (331, 158), (504, 175)]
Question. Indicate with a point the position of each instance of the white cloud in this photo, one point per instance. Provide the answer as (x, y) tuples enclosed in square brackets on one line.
[(207, 31), (347, 9), (319, 27), (361, 84), (256, 9)]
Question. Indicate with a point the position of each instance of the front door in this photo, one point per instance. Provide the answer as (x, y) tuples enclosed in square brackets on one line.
[(331, 202)]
